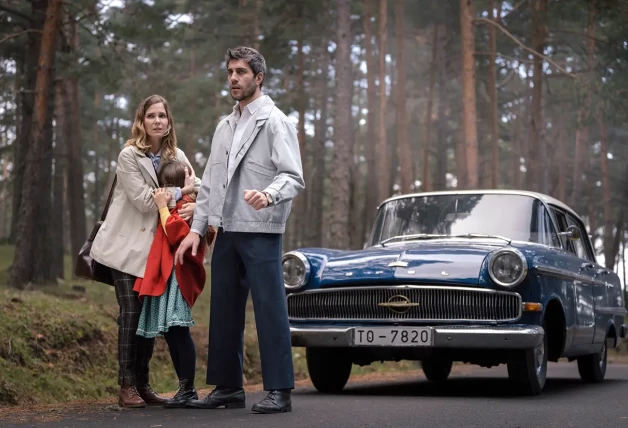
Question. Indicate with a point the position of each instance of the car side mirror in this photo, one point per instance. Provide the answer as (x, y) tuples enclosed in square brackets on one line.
[(572, 233)]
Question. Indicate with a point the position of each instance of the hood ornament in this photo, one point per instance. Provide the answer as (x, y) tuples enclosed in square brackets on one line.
[(398, 263)]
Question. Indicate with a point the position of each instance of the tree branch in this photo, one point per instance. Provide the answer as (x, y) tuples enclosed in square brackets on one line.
[(11, 36), (15, 12), (506, 79), (532, 51)]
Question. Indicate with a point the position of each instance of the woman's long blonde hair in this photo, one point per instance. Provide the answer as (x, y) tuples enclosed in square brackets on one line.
[(138, 133)]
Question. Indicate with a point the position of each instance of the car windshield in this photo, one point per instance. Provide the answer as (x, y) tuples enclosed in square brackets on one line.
[(515, 217)]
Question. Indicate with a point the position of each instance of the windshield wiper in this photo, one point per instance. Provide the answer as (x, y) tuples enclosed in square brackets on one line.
[(479, 235), (415, 236)]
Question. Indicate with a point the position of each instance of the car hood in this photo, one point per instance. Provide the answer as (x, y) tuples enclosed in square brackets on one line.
[(434, 263)]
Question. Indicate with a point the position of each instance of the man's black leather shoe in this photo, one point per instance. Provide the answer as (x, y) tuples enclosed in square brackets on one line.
[(185, 393), (221, 397), (277, 401)]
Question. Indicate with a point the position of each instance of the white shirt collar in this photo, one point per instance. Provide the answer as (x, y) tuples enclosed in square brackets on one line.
[(252, 107)]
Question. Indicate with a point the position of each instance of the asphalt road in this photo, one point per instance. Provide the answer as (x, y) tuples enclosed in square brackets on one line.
[(471, 398)]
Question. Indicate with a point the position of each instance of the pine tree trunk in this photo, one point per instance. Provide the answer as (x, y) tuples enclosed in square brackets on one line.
[(582, 132), (97, 186), (492, 92), (382, 155), (427, 135), (44, 251), (340, 174), (302, 218), (76, 193), (24, 268), (609, 254), (535, 166), (516, 149), (60, 160), (562, 160), (468, 94), (440, 178), (372, 193), (38, 16), (317, 177), (356, 187), (403, 146)]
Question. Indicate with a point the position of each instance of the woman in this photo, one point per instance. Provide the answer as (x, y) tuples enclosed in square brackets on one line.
[(126, 235)]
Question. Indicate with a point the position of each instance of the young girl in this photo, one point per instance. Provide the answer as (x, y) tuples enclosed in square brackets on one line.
[(168, 292)]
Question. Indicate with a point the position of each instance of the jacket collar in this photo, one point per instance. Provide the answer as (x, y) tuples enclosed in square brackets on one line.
[(262, 112), (146, 163)]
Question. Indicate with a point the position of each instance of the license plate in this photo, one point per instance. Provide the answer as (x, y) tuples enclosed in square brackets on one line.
[(392, 336)]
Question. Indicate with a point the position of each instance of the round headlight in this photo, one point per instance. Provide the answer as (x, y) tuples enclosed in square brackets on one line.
[(507, 267), (296, 270)]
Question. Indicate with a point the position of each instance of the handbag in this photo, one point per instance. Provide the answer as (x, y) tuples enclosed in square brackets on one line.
[(86, 266)]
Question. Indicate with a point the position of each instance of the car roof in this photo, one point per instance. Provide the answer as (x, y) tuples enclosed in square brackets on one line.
[(545, 198)]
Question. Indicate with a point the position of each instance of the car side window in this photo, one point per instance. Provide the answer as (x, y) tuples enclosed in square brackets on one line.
[(583, 250), (561, 218), (549, 234)]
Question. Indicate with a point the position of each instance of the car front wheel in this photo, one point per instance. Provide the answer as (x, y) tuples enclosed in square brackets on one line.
[(528, 371), (592, 368), (329, 368)]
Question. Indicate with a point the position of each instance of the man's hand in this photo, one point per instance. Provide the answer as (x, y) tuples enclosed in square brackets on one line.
[(161, 197), (190, 241), (256, 199), (187, 211), (190, 178)]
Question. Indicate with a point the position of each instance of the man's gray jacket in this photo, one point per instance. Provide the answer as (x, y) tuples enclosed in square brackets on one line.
[(267, 159)]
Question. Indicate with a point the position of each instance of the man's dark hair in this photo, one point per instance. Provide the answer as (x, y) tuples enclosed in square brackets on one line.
[(253, 58)]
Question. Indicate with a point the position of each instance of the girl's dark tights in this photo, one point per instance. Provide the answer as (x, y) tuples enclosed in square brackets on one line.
[(182, 352)]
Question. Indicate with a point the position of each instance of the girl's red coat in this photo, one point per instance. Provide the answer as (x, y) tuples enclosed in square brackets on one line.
[(190, 275)]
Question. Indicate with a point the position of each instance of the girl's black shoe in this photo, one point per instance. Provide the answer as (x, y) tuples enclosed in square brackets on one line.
[(185, 392)]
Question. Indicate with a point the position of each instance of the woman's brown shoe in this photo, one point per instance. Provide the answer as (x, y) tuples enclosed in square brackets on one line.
[(129, 397), (150, 397)]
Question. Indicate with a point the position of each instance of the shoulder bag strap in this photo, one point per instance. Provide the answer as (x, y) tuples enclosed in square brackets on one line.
[(113, 186)]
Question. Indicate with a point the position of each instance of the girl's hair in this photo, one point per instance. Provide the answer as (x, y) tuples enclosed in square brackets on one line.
[(172, 173), (139, 140)]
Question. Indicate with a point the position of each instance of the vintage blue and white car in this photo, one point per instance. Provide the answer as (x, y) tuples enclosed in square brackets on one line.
[(482, 277)]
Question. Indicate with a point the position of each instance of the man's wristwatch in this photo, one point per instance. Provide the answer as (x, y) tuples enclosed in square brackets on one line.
[(269, 199)]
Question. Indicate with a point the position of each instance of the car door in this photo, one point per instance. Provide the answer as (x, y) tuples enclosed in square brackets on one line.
[(598, 287), (582, 270)]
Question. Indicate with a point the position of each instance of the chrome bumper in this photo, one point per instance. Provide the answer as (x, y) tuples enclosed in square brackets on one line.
[(454, 336)]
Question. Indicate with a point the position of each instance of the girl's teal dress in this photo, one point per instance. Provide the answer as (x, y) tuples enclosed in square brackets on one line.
[(162, 312)]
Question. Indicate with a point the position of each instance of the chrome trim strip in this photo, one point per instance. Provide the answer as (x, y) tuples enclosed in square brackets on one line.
[(467, 337), (611, 311), (564, 274), (406, 286), (393, 320)]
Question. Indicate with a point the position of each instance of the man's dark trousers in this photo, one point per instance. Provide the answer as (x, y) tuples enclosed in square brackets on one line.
[(257, 257)]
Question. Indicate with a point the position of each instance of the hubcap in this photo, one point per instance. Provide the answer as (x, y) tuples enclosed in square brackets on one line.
[(603, 356), (539, 353)]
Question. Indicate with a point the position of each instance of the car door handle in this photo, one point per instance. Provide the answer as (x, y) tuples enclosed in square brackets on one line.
[(601, 272), (584, 266)]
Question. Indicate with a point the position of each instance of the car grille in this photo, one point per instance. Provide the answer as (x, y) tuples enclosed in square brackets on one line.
[(406, 303)]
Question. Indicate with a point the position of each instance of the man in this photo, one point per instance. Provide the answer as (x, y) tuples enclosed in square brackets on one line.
[(253, 173)]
